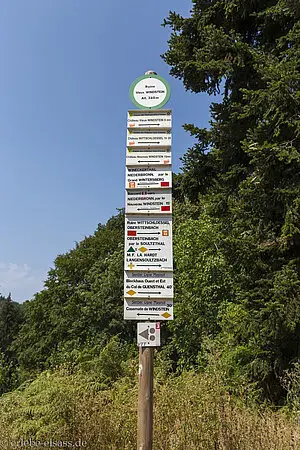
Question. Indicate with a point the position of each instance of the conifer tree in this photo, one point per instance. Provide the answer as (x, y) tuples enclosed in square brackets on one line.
[(244, 171)]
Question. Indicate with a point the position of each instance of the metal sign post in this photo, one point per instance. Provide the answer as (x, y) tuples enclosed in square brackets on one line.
[(148, 262)]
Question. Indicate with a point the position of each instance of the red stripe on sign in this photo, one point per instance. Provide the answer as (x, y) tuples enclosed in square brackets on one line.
[(165, 208), (164, 183), (131, 233)]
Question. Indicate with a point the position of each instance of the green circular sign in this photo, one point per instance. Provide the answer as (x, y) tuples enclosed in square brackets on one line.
[(150, 92)]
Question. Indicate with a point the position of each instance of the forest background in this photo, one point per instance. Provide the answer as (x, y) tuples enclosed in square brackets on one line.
[(236, 250)]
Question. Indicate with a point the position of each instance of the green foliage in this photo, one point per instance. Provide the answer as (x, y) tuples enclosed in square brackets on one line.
[(244, 174), (105, 366), (10, 320), (67, 407), (202, 283), (81, 306), (11, 316), (190, 411), (236, 227)]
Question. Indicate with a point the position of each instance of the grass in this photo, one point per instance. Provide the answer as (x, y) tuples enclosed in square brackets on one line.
[(192, 412)]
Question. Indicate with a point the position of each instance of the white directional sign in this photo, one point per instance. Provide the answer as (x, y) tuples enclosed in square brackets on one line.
[(144, 139), (148, 259), (148, 243), (148, 177), (148, 158), (161, 119), (141, 309), (151, 201), (148, 284), (148, 334)]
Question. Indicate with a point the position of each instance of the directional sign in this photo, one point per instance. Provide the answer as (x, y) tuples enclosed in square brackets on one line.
[(144, 139), (149, 91), (148, 243), (148, 334), (148, 158), (151, 201), (160, 309), (148, 177), (148, 284), (158, 119)]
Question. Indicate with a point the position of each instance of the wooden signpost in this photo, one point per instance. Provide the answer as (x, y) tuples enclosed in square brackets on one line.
[(148, 264)]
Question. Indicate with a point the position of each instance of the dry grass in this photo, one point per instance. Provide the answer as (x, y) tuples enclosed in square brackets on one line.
[(192, 412)]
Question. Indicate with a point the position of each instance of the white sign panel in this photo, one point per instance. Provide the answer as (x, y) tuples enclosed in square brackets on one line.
[(148, 177), (156, 201), (140, 309), (148, 334), (148, 158), (148, 284), (148, 243), (149, 119), (149, 92), (144, 139)]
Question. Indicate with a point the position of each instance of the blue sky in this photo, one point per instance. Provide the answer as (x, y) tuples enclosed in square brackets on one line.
[(66, 67)]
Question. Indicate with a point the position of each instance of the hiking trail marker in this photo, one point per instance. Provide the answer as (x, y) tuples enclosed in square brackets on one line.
[(149, 139), (148, 334), (156, 157), (148, 243), (139, 177), (154, 309), (149, 120), (148, 284), (148, 201)]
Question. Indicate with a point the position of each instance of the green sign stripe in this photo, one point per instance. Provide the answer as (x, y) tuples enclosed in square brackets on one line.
[(138, 105)]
